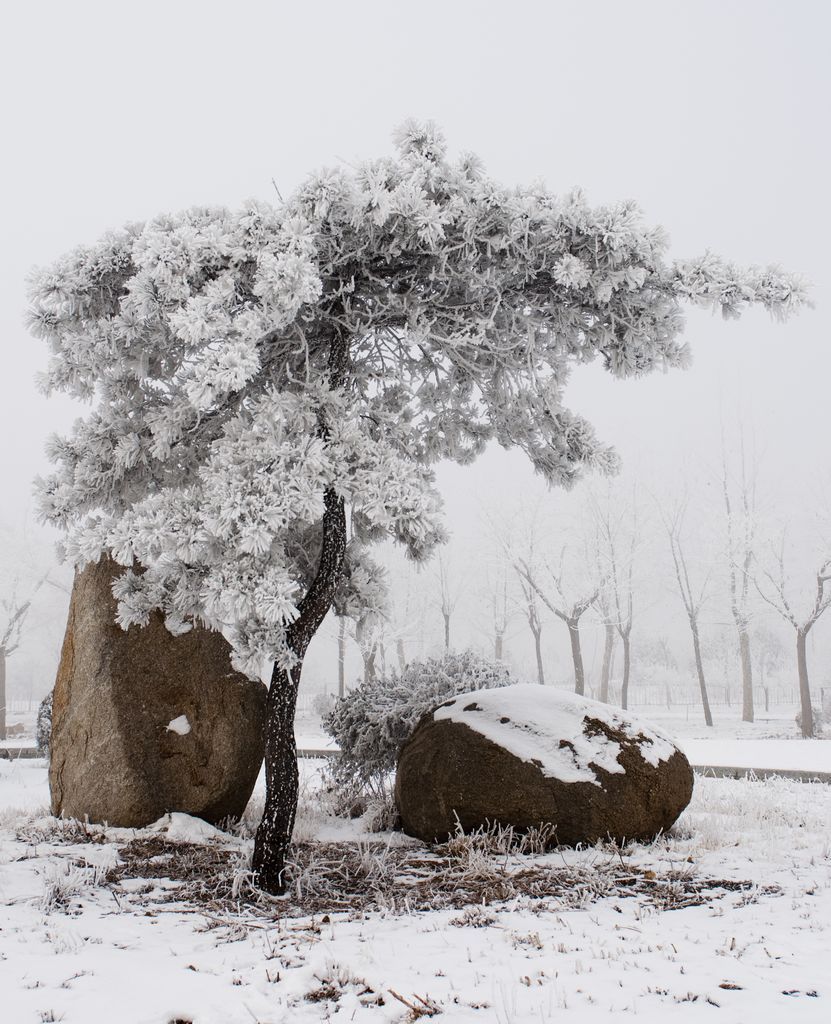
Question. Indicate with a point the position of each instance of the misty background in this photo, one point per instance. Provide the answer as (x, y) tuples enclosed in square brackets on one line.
[(712, 116)]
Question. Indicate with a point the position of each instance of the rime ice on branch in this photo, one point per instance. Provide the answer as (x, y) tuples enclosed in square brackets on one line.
[(249, 369)]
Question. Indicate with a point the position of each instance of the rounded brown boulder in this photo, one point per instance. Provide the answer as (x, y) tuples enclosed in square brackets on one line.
[(144, 722), (530, 756)]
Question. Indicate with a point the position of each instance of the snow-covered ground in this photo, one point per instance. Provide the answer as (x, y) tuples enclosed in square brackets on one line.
[(79, 948), (777, 755)]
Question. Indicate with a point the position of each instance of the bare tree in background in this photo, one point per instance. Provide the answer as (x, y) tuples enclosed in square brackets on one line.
[(369, 636), (616, 598), (718, 651), (772, 588), (498, 596), (15, 611), (608, 619), (402, 620), (448, 596), (501, 614), (769, 656), (569, 609), (505, 534), (531, 611), (692, 595), (740, 516)]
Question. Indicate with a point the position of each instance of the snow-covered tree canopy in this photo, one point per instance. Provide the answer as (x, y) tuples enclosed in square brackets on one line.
[(244, 364)]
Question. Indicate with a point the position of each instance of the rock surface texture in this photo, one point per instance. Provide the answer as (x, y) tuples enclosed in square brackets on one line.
[(531, 756), (144, 722)]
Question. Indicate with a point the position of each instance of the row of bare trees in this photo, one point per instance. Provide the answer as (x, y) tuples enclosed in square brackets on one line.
[(596, 570), (605, 561)]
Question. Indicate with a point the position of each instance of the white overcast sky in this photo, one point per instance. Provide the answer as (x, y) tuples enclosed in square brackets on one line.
[(712, 115)]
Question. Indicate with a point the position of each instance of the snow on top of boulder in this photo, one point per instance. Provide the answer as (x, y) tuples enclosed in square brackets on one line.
[(549, 727), (180, 725)]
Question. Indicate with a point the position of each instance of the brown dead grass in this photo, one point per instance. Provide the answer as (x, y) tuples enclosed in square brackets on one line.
[(470, 871)]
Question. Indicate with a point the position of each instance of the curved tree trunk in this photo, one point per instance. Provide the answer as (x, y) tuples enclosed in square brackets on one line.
[(627, 661), (699, 667), (606, 667), (806, 711), (576, 655), (281, 778), (747, 675)]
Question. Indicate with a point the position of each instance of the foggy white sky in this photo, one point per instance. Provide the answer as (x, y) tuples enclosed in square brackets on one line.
[(713, 115)]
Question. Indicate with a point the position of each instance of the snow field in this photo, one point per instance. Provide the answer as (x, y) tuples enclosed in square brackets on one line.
[(75, 949)]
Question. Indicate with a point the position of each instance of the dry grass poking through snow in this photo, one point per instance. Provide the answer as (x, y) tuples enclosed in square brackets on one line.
[(492, 866)]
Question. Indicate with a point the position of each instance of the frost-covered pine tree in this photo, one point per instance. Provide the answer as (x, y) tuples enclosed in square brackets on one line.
[(272, 386)]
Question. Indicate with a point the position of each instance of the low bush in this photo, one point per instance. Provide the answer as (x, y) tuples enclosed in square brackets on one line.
[(821, 719), (371, 722), (43, 728)]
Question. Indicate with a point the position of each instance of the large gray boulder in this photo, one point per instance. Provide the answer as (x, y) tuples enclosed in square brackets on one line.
[(530, 756), (144, 722)]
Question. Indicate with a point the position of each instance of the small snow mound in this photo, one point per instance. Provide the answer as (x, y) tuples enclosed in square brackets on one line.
[(184, 828), (555, 730), (180, 725)]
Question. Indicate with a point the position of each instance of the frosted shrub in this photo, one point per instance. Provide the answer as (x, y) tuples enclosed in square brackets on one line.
[(322, 703), (43, 728), (821, 719), (372, 721)]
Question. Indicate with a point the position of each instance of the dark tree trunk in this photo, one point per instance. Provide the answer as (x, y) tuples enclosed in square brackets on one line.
[(497, 645), (2, 693), (538, 650), (699, 667), (402, 659), (624, 691), (606, 667), (342, 658), (281, 782), (446, 631), (576, 655), (274, 832), (806, 711), (747, 675), (281, 778)]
